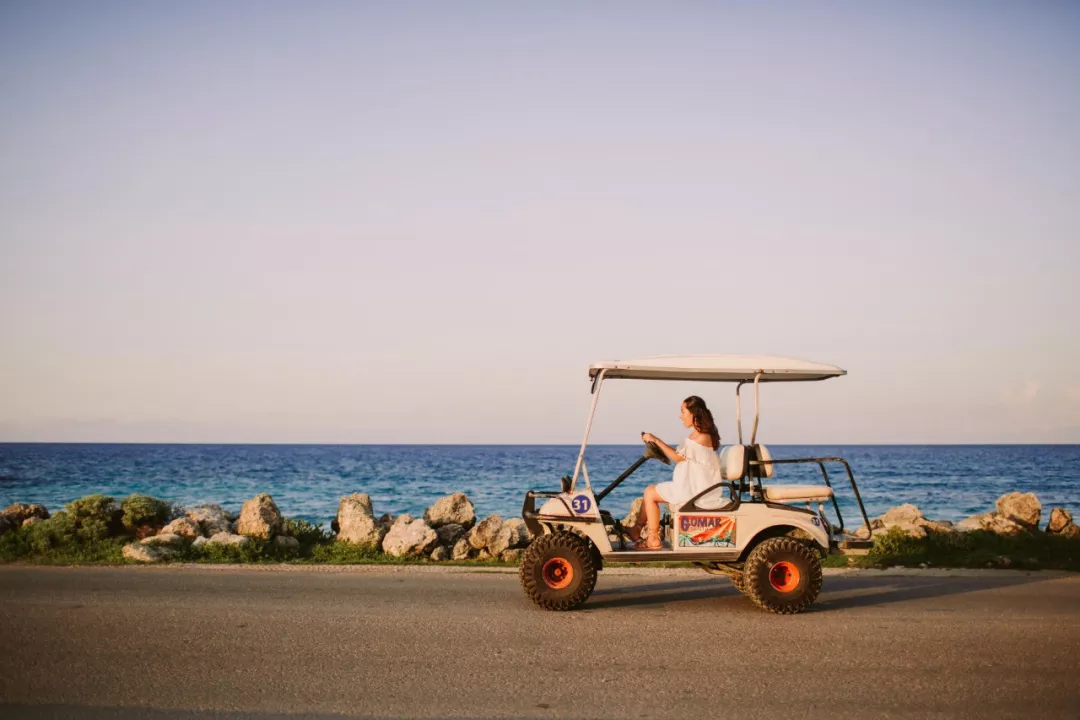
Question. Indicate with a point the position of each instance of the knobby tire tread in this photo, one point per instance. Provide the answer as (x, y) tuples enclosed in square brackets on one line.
[(564, 544), (756, 585)]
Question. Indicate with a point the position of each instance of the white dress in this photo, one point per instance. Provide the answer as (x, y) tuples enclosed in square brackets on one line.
[(700, 470)]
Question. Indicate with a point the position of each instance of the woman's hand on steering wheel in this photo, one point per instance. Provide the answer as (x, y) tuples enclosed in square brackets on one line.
[(648, 437)]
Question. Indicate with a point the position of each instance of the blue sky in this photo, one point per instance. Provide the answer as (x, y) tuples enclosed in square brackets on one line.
[(421, 222)]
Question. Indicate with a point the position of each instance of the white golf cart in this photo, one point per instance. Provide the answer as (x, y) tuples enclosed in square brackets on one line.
[(742, 527)]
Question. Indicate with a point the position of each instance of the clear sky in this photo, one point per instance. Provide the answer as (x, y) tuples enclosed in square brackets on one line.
[(421, 222)]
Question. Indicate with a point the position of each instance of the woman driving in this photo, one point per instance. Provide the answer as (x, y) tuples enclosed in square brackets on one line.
[(697, 467)]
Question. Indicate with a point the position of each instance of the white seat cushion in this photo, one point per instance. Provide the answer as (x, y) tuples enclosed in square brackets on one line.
[(797, 492), (766, 470), (732, 462)]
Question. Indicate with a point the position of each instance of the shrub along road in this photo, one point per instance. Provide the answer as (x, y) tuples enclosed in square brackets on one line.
[(373, 641)]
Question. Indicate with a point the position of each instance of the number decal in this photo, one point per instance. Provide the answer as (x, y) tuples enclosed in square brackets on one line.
[(815, 521), (581, 504)]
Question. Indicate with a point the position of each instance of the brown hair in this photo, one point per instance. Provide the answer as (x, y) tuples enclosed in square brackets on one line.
[(703, 421)]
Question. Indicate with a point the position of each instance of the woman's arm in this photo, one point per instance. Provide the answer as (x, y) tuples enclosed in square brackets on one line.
[(668, 450)]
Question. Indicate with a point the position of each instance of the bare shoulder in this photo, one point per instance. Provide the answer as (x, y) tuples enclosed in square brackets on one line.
[(701, 438)]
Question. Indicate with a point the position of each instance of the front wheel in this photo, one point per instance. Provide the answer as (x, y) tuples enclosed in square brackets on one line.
[(557, 571), (782, 575)]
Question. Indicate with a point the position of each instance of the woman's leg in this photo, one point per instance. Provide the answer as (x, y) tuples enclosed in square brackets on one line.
[(652, 509)]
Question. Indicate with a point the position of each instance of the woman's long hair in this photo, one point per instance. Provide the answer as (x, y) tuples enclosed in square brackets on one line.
[(703, 421)]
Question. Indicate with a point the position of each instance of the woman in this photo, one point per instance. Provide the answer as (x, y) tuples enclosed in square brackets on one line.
[(697, 467)]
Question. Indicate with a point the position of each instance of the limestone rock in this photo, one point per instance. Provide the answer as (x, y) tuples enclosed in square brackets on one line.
[(19, 513), (450, 534), (520, 536), (200, 541), (402, 519), (1060, 518), (164, 539), (462, 550), (32, 520), (906, 514), (484, 533), (284, 542), (500, 542), (992, 522), (483, 554), (975, 522), (452, 509), (224, 538), (386, 520), (259, 518), (211, 519), (1022, 508), (440, 553), (1071, 531), (138, 552), (356, 521), (512, 556), (5, 524), (182, 526), (409, 539)]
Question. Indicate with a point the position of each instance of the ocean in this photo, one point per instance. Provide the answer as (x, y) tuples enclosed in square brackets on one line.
[(947, 482)]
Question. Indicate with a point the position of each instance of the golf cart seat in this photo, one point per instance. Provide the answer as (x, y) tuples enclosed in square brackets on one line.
[(779, 493), (732, 462)]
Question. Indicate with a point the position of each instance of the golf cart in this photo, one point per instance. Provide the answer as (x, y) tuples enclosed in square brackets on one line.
[(742, 527)]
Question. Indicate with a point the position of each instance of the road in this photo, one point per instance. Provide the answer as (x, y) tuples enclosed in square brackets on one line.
[(215, 642)]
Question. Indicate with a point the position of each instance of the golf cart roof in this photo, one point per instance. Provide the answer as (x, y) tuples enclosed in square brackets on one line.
[(717, 368)]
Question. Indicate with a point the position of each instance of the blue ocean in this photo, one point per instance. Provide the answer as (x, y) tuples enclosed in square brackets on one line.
[(307, 481)]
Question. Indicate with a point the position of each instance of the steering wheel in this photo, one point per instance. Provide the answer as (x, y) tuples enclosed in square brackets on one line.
[(652, 450)]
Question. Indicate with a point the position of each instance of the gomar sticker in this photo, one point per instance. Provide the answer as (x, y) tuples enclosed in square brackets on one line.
[(581, 504), (706, 531)]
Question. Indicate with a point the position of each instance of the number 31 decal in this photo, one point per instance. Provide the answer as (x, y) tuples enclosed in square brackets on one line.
[(581, 504)]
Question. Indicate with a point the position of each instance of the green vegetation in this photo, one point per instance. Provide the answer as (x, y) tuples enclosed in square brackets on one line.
[(977, 549), (144, 511)]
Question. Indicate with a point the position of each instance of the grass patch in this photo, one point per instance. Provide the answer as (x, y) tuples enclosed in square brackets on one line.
[(976, 549)]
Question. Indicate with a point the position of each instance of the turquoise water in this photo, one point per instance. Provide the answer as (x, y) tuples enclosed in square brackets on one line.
[(947, 482)]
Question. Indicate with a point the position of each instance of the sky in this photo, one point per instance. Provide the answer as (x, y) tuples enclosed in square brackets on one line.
[(421, 222)]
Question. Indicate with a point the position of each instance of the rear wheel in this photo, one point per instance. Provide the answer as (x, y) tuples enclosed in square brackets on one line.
[(557, 571), (782, 575)]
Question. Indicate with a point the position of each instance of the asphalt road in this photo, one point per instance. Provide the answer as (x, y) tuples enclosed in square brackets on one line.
[(394, 642)]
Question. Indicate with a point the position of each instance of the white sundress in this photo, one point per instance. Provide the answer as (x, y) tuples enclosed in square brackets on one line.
[(700, 470)]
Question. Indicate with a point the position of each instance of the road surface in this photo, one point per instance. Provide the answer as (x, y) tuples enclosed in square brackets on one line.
[(216, 642)]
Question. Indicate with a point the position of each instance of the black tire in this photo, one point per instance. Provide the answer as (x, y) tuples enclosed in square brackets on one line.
[(557, 571), (737, 581), (782, 575)]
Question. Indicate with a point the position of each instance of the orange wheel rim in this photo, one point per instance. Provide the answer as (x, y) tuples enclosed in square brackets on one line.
[(557, 573), (784, 577)]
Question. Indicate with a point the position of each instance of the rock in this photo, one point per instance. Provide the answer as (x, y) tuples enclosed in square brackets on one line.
[(18, 513), (224, 538), (5, 524), (183, 526), (440, 553), (482, 534), (356, 521), (500, 542), (211, 519), (386, 520), (284, 542), (259, 518), (906, 514), (941, 526), (32, 520), (409, 539), (166, 539), (138, 552), (992, 522), (975, 522), (483, 554), (511, 556), (402, 519), (1022, 508), (519, 532), (199, 542), (462, 550), (633, 516), (450, 534), (1071, 531), (1060, 518), (453, 509)]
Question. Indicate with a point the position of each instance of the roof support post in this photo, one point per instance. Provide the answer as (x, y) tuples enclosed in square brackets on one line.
[(753, 435), (588, 426), (738, 410)]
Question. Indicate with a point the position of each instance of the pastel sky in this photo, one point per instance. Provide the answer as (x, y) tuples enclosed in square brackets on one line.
[(420, 222)]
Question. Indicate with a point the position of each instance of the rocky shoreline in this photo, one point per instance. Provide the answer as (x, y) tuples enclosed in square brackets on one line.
[(154, 531)]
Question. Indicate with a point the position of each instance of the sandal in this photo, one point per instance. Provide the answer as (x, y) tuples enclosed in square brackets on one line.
[(651, 541)]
